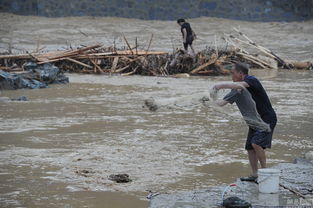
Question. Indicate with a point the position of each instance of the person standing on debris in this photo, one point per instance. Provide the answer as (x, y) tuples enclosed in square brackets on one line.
[(258, 138), (188, 35)]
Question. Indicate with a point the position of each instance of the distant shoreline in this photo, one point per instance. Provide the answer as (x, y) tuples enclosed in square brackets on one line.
[(252, 10)]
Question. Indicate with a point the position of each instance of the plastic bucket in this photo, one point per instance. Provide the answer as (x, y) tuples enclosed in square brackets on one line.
[(268, 180)]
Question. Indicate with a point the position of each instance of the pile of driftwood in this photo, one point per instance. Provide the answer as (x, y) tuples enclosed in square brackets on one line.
[(258, 56), (102, 60)]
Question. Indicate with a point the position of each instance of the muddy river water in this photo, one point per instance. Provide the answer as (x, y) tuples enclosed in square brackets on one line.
[(58, 148)]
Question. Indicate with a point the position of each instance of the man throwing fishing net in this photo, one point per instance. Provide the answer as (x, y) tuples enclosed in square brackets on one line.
[(252, 100)]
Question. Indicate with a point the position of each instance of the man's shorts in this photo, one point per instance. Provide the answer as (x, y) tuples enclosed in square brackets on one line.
[(261, 138)]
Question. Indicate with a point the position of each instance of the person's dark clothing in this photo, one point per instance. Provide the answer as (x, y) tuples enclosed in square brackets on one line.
[(261, 138), (189, 37), (263, 103), (266, 111)]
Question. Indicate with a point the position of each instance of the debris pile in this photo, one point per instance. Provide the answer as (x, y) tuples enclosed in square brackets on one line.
[(109, 60)]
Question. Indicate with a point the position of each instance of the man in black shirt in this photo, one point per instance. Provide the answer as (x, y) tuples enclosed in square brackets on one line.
[(257, 140), (187, 33)]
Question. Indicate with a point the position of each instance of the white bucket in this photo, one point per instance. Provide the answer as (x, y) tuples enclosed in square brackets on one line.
[(268, 180)]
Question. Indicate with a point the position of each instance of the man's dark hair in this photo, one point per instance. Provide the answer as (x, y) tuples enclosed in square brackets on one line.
[(240, 67), (180, 20)]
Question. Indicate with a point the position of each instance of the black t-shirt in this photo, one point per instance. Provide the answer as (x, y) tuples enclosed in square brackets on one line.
[(263, 103), (186, 25)]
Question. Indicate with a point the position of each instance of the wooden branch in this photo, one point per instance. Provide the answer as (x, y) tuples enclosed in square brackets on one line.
[(121, 69), (281, 61), (216, 50), (96, 66), (52, 60), (211, 61), (247, 57), (246, 54), (293, 191), (247, 43), (130, 73), (128, 45), (255, 60), (136, 46), (231, 42), (78, 62), (114, 64), (149, 44), (69, 53), (19, 56)]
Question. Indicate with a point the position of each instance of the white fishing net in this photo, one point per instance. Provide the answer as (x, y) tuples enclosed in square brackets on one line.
[(210, 99)]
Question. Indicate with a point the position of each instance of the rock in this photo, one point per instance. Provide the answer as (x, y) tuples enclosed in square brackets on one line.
[(120, 178)]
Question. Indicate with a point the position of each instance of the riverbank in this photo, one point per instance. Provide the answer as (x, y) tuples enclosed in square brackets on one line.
[(296, 190)]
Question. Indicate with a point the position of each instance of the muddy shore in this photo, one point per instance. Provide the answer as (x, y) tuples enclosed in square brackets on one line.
[(296, 186)]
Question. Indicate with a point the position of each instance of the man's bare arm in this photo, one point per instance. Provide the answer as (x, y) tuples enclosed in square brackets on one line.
[(233, 85), (221, 102)]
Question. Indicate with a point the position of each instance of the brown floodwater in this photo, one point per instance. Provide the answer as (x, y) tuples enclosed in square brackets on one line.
[(58, 148)]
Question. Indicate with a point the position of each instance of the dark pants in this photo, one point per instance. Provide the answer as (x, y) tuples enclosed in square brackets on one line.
[(189, 40)]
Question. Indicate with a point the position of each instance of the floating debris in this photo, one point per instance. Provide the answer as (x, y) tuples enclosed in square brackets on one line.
[(120, 178)]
